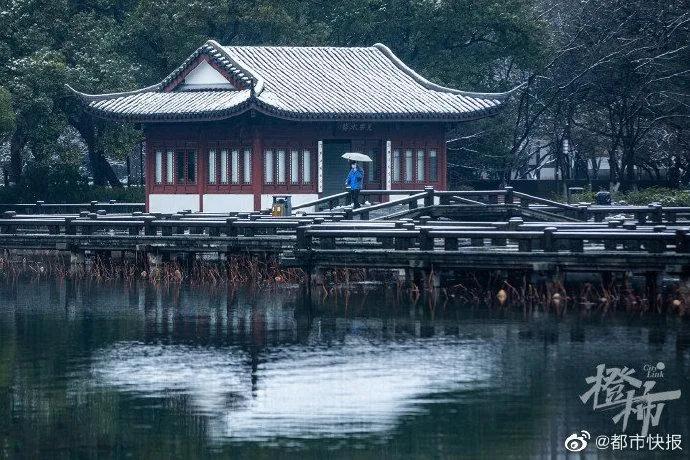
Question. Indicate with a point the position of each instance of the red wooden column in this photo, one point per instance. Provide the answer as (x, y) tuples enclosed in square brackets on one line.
[(443, 164), (257, 166), (201, 168), (149, 168), (387, 169)]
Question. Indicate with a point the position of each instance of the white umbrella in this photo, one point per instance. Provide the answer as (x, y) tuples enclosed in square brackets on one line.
[(356, 156)]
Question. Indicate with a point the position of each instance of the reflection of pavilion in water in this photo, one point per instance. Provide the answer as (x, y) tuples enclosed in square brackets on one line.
[(254, 318), (264, 365), (268, 367)]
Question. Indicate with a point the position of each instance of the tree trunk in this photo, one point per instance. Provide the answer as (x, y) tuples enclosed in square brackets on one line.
[(103, 173), (101, 170), (630, 183)]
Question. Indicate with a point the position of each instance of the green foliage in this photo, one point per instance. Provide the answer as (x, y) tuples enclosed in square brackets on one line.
[(589, 81), (7, 118), (63, 183), (107, 45), (663, 195)]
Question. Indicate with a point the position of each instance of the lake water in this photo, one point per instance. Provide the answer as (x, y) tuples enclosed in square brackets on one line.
[(134, 370)]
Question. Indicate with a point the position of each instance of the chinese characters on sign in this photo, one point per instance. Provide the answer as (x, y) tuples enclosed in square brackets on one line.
[(355, 127)]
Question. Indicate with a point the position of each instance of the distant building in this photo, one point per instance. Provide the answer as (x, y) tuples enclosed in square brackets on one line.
[(234, 125)]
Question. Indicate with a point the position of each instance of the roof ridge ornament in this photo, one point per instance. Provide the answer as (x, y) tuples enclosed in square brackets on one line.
[(433, 86)]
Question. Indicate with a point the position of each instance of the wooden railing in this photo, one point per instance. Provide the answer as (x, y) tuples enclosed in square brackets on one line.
[(407, 236), (150, 225), (506, 197), (41, 207)]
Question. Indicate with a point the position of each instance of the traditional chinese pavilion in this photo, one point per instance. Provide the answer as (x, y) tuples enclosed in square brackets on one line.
[(235, 125)]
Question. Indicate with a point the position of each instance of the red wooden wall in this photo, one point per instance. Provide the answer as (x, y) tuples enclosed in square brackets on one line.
[(258, 133)]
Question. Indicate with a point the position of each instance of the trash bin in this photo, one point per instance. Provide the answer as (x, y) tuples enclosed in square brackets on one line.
[(282, 205), (603, 198)]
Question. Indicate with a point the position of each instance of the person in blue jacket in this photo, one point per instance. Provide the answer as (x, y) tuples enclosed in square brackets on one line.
[(354, 180)]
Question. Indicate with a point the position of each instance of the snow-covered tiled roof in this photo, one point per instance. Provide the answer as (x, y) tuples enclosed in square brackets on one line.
[(316, 83)]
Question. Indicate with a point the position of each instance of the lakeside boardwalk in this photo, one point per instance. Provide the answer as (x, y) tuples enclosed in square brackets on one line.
[(426, 230)]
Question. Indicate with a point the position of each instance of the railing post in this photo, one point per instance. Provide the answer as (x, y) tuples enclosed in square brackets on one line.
[(429, 198), (656, 246), (631, 245), (69, 226), (230, 228), (426, 242), (656, 213), (149, 228), (514, 223), (610, 244), (39, 205), (450, 243), (303, 239), (176, 229), (548, 241), (402, 243), (509, 195), (682, 241)]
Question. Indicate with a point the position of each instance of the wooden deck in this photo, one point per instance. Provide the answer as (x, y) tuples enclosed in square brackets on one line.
[(428, 231)]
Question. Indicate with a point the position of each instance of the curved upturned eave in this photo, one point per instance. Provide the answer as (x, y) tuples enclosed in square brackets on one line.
[(85, 97), (435, 87), (275, 112)]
